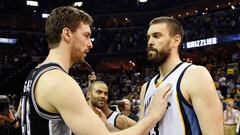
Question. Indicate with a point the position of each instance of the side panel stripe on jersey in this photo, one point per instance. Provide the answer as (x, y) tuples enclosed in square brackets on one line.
[(185, 118), (182, 119), (188, 113), (50, 127), (28, 121), (183, 113)]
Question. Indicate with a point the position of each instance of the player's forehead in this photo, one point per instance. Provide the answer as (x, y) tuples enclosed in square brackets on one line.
[(100, 87), (84, 28), (157, 28)]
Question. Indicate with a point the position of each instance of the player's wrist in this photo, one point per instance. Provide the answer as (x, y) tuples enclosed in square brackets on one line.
[(154, 117)]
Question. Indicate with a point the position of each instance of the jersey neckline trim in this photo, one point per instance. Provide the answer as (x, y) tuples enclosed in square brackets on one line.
[(158, 76)]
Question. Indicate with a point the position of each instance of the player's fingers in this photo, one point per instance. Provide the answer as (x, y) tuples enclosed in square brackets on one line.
[(163, 90), (168, 94), (99, 112)]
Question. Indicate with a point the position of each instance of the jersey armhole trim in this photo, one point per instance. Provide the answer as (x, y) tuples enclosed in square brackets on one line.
[(115, 121), (148, 83), (179, 93), (42, 112)]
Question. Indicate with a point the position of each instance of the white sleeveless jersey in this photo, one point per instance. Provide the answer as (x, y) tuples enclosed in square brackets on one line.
[(180, 118), (112, 118)]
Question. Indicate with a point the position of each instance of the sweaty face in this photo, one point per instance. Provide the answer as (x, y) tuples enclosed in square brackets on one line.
[(158, 43), (81, 42), (99, 95)]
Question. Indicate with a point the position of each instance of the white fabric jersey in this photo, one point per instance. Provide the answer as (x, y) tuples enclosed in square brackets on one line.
[(112, 118), (180, 118)]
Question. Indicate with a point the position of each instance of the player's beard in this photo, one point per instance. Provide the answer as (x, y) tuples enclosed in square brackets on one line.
[(99, 104), (158, 56), (78, 55)]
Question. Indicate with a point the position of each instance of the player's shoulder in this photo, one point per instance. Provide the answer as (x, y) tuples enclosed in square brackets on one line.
[(195, 77), (196, 70), (57, 79)]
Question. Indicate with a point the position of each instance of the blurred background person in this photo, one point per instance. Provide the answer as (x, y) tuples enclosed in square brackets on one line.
[(125, 109), (230, 115), (9, 124), (98, 97)]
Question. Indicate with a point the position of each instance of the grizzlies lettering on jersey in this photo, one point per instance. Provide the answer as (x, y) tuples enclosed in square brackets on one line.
[(180, 117), (112, 118), (35, 120)]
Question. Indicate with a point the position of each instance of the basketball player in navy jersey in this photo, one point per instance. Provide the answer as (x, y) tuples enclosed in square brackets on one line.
[(53, 103), (97, 97), (194, 107)]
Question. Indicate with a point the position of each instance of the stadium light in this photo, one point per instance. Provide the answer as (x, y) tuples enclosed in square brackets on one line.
[(8, 40), (45, 15), (77, 4), (142, 0), (32, 3)]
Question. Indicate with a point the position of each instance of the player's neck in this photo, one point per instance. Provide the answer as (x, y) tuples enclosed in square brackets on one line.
[(107, 111), (168, 66), (60, 57), (93, 106)]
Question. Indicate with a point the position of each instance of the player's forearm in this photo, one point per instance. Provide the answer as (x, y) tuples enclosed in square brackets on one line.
[(141, 128), (213, 127), (213, 132)]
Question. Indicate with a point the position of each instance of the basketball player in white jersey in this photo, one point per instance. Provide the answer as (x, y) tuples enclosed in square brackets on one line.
[(97, 97), (53, 103), (194, 107)]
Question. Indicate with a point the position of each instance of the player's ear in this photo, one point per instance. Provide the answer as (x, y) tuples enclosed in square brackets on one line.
[(88, 94), (177, 41), (66, 34)]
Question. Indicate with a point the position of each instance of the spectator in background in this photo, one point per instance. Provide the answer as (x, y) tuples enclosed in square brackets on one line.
[(223, 85), (8, 122), (237, 102), (230, 115), (91, 77), (228, 98), (126, 109), (230, 87)]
